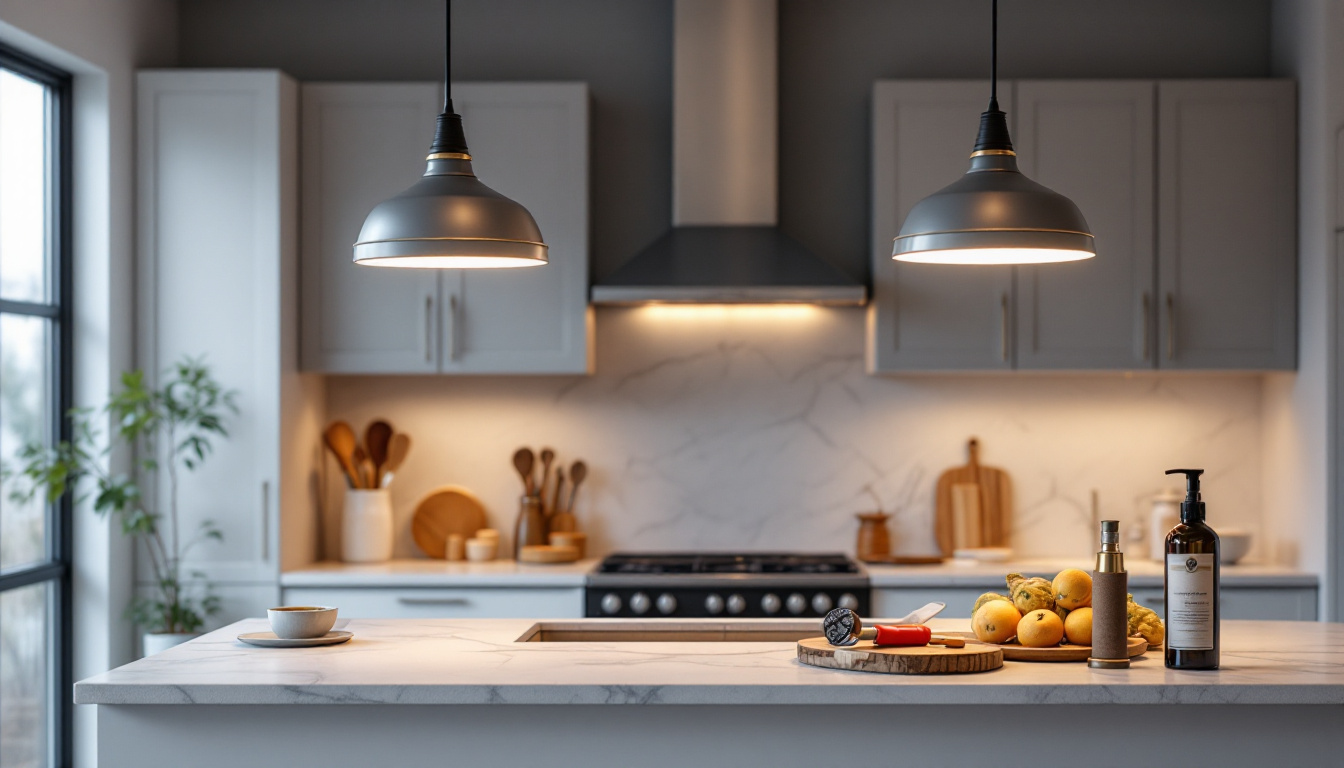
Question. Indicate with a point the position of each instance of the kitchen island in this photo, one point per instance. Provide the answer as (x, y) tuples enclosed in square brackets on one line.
[(472, 691)]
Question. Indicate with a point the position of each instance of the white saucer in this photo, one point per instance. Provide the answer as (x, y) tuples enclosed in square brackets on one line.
[(269, 640)]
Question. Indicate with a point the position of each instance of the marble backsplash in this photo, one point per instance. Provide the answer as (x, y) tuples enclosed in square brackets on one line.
[(757, 428)]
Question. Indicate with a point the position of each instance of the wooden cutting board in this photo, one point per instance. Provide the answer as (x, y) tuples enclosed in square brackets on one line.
[(1014, 652), (917, 660), (996, 502), (446, 510)]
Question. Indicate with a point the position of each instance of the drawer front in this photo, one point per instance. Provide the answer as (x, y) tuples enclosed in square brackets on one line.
[(421, 603), (1251, 603)]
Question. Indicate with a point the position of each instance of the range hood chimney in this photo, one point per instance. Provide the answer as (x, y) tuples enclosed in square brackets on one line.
[(725, 245)]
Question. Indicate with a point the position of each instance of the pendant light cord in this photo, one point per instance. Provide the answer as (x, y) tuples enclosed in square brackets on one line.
[(994, 57), (448, 137), (448, 55)]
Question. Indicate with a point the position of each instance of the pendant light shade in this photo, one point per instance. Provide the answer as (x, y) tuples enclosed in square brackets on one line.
[(994, 214), (450, 219)]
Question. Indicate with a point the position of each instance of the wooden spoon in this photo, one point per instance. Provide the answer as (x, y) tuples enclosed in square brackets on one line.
[(397, 448), (547, 457), (341, 441), (523, 461), (361, 460), (376, 438), (555, 493), (564, 521)]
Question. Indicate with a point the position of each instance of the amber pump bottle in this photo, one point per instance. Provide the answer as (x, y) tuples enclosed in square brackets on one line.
[(1191, 584), (1110, 582)]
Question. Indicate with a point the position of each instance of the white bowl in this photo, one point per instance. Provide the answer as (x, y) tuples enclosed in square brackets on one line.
[(1232, 546), (294, 622)]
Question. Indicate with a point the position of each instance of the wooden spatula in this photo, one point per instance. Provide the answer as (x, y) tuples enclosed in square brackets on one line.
[(523, 461), (377, 437), (397, 448)]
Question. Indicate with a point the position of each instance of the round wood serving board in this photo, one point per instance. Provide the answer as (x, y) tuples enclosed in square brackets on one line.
[(446, 510), (917, 660), (1014, 652)]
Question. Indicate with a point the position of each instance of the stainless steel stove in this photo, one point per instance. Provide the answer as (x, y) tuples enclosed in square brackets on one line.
[(708, 585)]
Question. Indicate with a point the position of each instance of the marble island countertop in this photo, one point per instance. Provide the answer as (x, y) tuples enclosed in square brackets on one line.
[(485, 661)]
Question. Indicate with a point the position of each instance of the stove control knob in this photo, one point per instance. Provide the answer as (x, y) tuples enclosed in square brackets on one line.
[(796, 603), (714, 605), (849, 601), (770, 603), (667, 604), (611, 603), (736, 604), (640, 603), (821, 602)]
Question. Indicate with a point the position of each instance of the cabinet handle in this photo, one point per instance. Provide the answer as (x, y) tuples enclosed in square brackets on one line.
[(1003, 327), (1171, 327), (1147, 331), (452, 327), (433, 601), (265, 520), (429, 327)]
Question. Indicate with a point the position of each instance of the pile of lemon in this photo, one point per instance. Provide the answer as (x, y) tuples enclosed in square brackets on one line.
[(1039, 613)]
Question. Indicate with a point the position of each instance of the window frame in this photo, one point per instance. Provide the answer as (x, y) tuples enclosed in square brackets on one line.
[(59, 310)]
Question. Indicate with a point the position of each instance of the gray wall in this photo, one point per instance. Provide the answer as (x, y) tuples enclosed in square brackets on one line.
[(830, 52)]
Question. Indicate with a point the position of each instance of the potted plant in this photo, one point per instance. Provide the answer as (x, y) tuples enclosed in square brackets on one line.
[(170, 429)]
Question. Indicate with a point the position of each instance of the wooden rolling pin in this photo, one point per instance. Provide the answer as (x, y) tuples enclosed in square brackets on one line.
[(843, 627)]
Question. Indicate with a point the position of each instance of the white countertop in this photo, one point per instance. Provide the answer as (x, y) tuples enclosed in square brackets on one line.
[(481, 661), (1142, 573), (423, 572)]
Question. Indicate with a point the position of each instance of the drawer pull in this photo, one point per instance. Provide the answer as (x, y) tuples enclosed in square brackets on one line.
[(433, 601)]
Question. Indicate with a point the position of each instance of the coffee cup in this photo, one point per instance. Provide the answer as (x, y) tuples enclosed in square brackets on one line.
[(296, 622)]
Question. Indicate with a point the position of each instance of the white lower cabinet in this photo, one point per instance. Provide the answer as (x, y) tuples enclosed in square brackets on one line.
[(1238, 603), (426, 603)]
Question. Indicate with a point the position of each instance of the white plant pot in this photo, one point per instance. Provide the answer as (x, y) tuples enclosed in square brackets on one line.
[(154, 642), (366, 526)]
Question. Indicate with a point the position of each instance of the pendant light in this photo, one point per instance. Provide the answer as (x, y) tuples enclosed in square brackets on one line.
[(449, 219), (994, 214)]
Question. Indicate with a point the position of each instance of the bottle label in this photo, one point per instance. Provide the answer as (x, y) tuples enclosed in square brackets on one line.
[(1191, 593)]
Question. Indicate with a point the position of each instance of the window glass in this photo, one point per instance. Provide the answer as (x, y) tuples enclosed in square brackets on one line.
[(25, 416), (25, 674), (24, 190)]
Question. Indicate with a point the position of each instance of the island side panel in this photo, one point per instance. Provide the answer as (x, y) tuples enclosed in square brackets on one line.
[(207, 736)]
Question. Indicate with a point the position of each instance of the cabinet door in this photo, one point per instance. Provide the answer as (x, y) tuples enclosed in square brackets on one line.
[(1092, 142), (529, 141), (216, 167), (363, 143), (922, 316), (1227, 207)]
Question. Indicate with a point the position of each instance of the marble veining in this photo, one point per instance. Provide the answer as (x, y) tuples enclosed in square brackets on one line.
[(481, 661), (751, 428)]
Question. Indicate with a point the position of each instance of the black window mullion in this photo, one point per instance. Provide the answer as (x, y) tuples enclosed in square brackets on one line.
[(58, 311)]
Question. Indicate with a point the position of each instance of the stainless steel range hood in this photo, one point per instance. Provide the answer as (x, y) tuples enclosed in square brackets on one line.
[(725, 245)]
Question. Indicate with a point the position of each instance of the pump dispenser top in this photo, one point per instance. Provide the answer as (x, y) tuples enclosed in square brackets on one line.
[(1193, 506)]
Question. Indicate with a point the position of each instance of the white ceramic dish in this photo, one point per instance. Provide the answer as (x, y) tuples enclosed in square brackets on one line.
[(1232, 546), (269, 640), (297, 622)]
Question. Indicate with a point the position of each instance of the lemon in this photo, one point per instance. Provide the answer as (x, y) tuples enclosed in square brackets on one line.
[(996, 622), (1078, 626), (1072, 588), (1040, 629)]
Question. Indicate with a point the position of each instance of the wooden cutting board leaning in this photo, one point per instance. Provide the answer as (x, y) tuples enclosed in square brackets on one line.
[(973, 505), (908, 660), (446, 510)]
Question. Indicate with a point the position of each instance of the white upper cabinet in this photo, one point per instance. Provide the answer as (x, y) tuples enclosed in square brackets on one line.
[(529, 142), (217, 271), (1091, 141), (925, 316), (1227, 232), (363, 143), (1189, 186)]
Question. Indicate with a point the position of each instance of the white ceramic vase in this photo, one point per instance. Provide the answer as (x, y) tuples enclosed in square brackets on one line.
[(366, 526), (154, 642)]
